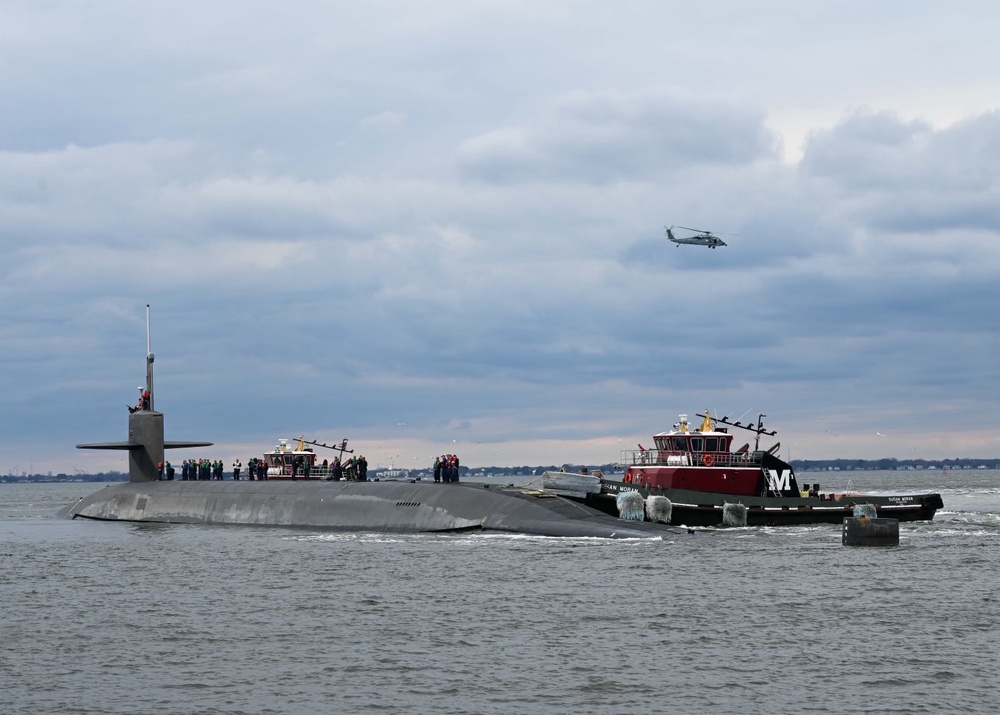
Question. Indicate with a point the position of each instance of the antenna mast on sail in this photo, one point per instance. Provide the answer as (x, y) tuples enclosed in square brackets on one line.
[(149, 362)]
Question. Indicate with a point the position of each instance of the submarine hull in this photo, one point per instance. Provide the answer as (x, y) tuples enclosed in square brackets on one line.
[(404, 507)]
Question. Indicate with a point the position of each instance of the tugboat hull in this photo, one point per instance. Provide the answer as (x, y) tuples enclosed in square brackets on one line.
[(691, 508)]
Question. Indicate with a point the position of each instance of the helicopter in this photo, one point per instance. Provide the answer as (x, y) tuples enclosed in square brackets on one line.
[(704, 238)]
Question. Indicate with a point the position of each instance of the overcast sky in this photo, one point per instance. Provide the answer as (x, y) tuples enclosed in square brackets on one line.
[(438, 227)]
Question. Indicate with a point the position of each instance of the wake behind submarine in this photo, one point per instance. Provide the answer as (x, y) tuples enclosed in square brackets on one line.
[(366, 506)]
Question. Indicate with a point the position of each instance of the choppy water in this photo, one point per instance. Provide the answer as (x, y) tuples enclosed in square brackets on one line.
[(126, 618)]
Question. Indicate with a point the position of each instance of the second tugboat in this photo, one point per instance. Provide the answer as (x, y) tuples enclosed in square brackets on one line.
[(709, 484), (300, 461)]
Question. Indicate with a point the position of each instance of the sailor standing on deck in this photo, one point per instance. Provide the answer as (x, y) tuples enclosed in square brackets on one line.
[(237, 466)]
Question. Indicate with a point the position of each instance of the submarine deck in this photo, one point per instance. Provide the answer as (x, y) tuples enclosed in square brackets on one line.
[(390, 506)]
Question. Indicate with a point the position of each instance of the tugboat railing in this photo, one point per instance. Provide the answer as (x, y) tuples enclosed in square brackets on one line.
[(664, 458)]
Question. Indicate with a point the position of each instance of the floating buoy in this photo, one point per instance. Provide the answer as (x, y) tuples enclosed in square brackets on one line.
[(631, 506), (659, 509), (734, 515), (863, 531)]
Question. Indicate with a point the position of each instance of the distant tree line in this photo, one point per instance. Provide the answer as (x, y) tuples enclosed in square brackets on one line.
[(891, 463), (78, 477), (802, 465)]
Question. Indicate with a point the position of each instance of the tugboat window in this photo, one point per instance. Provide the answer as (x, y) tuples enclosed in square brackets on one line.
[(696, 444), (711, 444), (680, 444)]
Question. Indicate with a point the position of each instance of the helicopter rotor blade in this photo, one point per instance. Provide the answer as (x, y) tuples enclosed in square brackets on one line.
[(698, 230), (703, 232)]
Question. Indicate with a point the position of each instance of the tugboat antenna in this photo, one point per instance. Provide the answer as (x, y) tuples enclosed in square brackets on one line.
[(759, 429), (342, 447)]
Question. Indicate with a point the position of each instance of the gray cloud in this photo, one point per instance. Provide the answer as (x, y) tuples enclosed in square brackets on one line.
[(907, 177), (347, 224), (602, 137)]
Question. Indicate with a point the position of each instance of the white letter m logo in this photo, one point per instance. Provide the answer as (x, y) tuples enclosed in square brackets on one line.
[(779, 482)]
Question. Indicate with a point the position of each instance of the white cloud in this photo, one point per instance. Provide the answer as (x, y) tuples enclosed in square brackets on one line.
[(387, 121)]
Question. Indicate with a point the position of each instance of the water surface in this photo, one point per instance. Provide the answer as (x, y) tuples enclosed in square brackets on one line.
[(128, 618)]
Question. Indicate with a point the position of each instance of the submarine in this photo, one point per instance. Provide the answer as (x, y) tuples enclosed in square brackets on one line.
[(362, 506)]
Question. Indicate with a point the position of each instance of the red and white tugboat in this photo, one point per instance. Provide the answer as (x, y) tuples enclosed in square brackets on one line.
[(700, 473)]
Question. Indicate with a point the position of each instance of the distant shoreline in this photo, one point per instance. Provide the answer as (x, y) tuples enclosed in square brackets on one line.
[(801, 465)]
